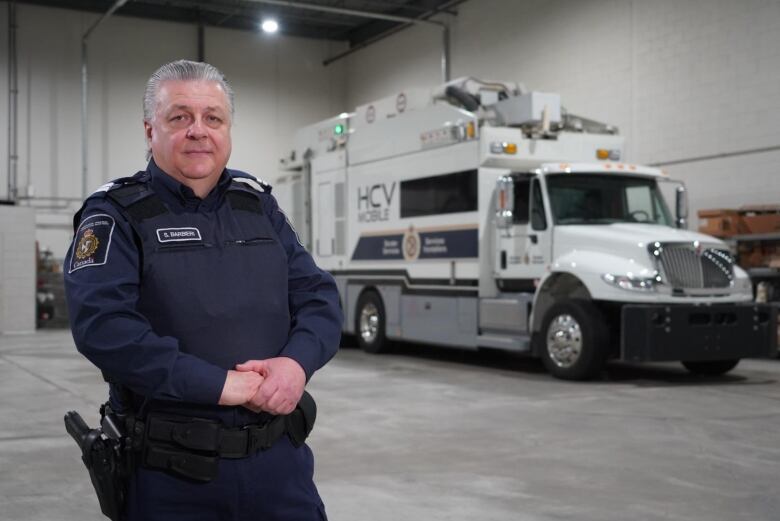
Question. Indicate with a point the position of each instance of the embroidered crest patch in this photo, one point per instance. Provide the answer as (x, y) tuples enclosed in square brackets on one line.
[(92, 242), (88, 244)]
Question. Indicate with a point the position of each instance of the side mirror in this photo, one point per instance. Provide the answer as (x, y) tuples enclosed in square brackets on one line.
[(505, 201), (681, 207)]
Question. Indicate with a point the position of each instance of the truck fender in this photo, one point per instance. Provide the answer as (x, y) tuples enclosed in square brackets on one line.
[(554, 287), (590, 267)]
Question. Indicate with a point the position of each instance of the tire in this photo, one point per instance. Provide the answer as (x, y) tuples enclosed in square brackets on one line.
[(574, 340), (712, 367), (370, 323)]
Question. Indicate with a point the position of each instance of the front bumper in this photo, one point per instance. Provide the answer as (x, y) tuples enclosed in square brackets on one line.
[(663, 333)]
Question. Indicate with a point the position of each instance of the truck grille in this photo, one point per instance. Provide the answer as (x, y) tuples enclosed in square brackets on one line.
[(690, 266)]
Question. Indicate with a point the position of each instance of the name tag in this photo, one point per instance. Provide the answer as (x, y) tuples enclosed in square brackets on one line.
[(178, 234)]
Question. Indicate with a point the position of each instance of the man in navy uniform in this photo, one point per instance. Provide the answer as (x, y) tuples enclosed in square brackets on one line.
[(189, 289)]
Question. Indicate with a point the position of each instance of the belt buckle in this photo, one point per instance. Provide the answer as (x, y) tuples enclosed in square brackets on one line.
[(256, 438), (231, 448)]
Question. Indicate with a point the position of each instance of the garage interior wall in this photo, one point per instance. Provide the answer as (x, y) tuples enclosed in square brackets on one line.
[(280, 85), (681, 80), (17, 269)]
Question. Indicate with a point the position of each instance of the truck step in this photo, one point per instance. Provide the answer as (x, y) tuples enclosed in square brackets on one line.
[(520, 344)]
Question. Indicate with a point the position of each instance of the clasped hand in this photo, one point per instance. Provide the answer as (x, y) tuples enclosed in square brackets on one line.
[(274, 385)]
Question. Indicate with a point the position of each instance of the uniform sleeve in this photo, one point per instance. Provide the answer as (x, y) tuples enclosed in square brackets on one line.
[(102, 279), (315, 308)]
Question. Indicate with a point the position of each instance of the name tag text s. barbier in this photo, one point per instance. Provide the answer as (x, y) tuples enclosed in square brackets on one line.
[(178, 234)]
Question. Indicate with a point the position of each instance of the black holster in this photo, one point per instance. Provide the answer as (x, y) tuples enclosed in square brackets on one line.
[(106, 452)]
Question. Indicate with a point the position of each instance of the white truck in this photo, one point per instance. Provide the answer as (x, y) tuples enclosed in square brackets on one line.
[(481, 215)]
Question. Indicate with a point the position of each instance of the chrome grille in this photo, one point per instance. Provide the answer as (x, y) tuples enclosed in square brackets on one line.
[(690, 266)]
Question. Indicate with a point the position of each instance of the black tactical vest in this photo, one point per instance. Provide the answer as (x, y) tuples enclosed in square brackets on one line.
[(215, 281)]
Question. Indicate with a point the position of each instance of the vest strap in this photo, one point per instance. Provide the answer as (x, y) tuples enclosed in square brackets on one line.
[(138, 200), (240, 199)]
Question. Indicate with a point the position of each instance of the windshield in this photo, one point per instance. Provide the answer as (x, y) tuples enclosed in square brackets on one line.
[(606, 199)]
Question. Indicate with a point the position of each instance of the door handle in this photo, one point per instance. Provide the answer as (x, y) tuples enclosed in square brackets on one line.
[(534, 238)]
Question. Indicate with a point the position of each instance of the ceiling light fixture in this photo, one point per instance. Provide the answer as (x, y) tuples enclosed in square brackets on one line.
[(270, 26)]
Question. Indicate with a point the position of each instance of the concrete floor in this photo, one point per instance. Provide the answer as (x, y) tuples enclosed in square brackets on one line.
[(431, 434)]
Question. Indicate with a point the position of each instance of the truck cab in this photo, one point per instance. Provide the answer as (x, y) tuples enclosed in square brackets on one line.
[(589, 239)]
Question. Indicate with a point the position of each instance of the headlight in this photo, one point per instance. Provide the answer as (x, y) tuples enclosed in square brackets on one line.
[(632, 283)]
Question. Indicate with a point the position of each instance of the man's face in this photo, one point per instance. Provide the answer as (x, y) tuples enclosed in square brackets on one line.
[(189, 133)]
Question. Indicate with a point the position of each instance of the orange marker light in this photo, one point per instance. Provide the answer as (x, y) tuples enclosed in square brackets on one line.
[(470, 130), (510, 148), (602, 153)]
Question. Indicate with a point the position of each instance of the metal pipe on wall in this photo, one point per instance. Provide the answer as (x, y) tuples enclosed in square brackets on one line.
[(201, 39), (445, 54), (423, 19), (445, 58), (13, 97), (84, 117), (84, 78)]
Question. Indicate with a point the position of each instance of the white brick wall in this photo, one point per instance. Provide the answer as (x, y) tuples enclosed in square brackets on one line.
[(682, 79), (17, 269), (280, 85)]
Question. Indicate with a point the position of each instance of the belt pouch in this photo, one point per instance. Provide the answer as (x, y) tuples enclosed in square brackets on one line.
[(183, 446), (185, 464)]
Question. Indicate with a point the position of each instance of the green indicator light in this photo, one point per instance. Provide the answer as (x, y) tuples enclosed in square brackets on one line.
[(338, 130)]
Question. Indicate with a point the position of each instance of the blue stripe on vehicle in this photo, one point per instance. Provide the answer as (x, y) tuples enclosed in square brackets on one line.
[(445, 244)]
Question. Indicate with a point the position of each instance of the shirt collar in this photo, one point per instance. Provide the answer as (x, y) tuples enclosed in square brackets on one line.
[(174, 191)]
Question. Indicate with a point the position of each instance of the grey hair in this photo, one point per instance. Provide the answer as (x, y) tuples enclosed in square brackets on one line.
[(183, 70)]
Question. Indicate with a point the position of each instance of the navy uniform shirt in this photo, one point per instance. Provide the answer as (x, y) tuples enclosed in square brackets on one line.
[(166, 308)]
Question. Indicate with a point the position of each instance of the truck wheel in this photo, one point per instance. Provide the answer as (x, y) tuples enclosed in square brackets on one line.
[(370, 323), (712, 367), (575, 340)]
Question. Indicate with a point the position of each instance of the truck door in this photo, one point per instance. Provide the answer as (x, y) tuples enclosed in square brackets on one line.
[(326, 224), (328, 221), (524, 248)]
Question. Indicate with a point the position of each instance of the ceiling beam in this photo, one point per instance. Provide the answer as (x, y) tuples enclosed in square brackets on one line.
[(348, 12)]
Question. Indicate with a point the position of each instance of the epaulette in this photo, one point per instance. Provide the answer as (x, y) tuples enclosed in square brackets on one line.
[(250, 180), (244, 193), (136, 197), (116, 183), (110, 190)]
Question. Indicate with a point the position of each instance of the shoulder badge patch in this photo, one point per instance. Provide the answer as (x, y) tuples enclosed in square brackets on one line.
[(92, 242)]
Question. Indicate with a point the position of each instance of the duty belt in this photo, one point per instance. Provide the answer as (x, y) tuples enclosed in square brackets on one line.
[(191, 447), (209, 436)]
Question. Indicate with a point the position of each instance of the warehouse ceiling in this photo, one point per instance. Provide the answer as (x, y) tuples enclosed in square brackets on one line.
[(349, 20)]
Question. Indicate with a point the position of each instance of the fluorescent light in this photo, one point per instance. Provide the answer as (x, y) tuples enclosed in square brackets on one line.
[(270, 26)]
